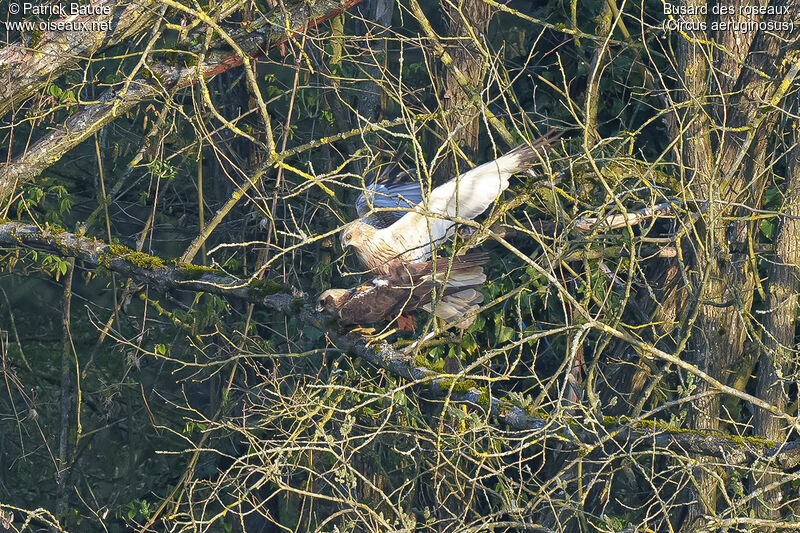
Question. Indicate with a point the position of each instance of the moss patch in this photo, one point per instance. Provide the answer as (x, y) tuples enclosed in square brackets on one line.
[(422, 361), (659, 425), (190, 271), (461, 385), (140, 259), (265, 287)]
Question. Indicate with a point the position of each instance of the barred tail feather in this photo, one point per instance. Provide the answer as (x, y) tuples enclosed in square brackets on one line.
[(457, 305), (470, 277), (524, 155)]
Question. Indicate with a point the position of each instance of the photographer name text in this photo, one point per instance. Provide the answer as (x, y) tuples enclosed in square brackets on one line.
[(68, 11), (61, 10)]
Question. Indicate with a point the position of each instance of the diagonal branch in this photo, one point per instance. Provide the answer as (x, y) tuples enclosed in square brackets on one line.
[(26, 70), (113, 103), (661, 438)]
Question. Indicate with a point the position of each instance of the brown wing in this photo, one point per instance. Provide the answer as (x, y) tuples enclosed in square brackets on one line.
[(379, 302), (410, 287)]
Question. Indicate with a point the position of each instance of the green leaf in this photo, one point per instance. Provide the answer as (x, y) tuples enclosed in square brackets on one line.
[(767, 227), (504, 334), (54, 90), (468, 343)]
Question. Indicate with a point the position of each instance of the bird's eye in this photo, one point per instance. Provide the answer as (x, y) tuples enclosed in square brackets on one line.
[(347, 237)]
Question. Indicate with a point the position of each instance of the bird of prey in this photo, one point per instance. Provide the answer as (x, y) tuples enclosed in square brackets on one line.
[(417, 226), (408, 287)]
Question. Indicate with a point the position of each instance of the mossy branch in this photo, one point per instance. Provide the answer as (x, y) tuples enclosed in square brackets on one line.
[(150, 269)]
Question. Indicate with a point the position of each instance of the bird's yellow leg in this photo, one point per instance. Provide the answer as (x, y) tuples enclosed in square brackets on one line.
[(380, 337), (370, 336)]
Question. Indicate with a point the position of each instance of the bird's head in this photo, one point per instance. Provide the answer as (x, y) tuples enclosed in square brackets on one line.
[(332, 300), (355, 234), (350, 235)]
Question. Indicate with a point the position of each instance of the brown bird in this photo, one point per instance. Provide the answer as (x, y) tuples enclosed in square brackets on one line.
[(409, 234), (408, 287)]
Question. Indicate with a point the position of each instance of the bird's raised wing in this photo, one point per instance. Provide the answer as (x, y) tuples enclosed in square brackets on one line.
[(466, 196), (394, 188)]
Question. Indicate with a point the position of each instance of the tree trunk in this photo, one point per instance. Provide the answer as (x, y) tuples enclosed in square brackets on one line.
[(724, 154), (779, 327), (63, 464), (468, 22)]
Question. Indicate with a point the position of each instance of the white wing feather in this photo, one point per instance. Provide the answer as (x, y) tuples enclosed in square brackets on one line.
[(417, 233)]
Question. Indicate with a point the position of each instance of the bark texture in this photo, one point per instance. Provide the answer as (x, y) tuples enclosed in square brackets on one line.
[(723, 156), (779, 328), (468, 22)]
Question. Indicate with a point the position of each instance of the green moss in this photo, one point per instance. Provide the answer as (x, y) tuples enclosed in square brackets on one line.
[(421, 361), (190, 271), (265, 287), (537, 413), (119, 249), (635, 169), (660, 425), (759, 441), (461, 385), (484, 398), (144, 260), (140, 259), (504, 408)]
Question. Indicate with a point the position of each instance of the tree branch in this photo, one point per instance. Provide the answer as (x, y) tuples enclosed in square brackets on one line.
[(26, 70)]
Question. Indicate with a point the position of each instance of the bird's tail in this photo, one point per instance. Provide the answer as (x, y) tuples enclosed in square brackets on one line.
[(457, 305), (466, 271), (524, 155), (460, 296), (472, 276)]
